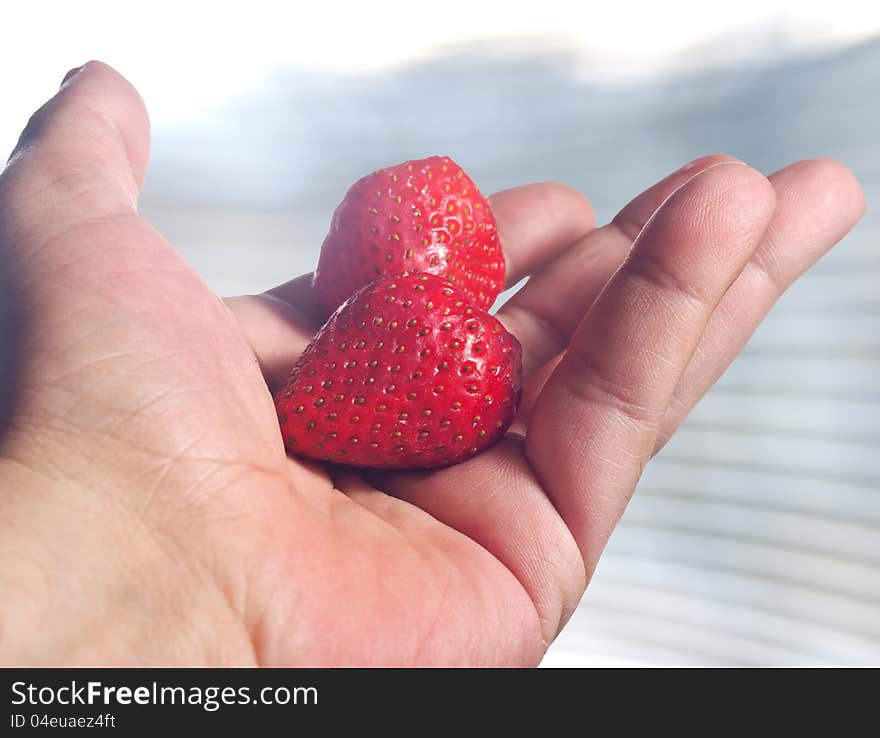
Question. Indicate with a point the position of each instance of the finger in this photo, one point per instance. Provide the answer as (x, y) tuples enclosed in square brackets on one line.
[(114, 316), (298, 293), (82, 156), (595, 423), (77, 165), (545, 313), (535, 222), (278, 324), (818, 202), (277, 330), (68, 199)]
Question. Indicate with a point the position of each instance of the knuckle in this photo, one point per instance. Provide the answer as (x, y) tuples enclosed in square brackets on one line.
[(766, 271), (588, 383), (660, 276)]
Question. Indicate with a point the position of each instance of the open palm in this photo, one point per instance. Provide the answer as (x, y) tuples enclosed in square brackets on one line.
[(149, 514)]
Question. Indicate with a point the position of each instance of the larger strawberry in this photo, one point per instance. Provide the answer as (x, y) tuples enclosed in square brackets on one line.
[(407, 373), (424, 215)]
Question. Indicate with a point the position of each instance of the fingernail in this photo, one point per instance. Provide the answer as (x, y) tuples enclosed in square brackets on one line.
[(691, 165), (70, 75), (703, 162)]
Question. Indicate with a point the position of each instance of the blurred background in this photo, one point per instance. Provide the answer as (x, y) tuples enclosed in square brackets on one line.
[(754, 537)]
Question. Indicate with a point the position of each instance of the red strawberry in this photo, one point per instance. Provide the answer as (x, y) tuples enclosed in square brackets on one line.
[(407, 373), (424, 215)]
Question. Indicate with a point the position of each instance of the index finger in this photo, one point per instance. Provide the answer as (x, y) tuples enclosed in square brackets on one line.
[(536, 222), (594, 425)]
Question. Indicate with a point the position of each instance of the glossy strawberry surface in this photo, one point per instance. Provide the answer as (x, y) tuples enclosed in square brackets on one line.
[(408, 373), (424, 215)]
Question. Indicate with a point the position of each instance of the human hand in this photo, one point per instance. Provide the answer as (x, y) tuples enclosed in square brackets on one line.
[(149, 514)]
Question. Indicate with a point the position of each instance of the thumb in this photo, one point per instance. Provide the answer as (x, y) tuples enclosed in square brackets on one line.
[(80, 160), (9, 333), (82, 156)]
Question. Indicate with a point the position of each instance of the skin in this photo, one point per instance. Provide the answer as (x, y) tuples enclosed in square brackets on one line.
[(148, 512)]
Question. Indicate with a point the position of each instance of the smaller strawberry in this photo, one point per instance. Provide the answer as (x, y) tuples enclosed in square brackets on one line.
[(407, 373), (419, 216)]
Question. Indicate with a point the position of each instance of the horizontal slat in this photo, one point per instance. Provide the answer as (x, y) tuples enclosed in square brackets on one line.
[(824, 335), (584, 643), (763, 490), (820, 417), (786, 635), (858, 620), (852, 286), (832, 459), (857, 251), (852, 377), (832, 575), (698, 641), (796, 531)]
